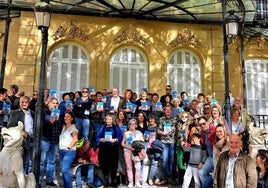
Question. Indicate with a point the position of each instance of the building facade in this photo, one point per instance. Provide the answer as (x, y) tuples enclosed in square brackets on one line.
[(127, 53)]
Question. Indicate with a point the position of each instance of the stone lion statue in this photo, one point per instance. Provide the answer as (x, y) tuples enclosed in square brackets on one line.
[(256, 139), (11, 163)]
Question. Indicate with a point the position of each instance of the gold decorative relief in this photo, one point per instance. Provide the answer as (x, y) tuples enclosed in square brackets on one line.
[(130, 34), (185, 37), (259, 42), (70, 30)]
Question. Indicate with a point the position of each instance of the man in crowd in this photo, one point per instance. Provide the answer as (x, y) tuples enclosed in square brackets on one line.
[(26, 116), (235, 168)]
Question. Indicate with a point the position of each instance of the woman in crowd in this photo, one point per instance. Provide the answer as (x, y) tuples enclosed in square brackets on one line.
[(220, 142), (175, 107), (183, 133), (128, 94), (67, 148), (237, 126), (97, 115), (109, 137), (194, 127), (121, 121), (66, 97), (154, 171), (262, 168), (143, 104), (167, 101), (129, 136), (142, 124), (216, 116)]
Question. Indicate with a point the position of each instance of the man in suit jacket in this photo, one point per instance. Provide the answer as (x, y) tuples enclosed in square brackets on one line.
[(26, 116)]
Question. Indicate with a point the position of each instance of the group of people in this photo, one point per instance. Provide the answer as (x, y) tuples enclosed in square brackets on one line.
[(140, 142)]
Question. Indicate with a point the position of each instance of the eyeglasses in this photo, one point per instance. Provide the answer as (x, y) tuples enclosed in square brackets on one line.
[(84, 91), (203, 124), (184, 116), (206, 108)]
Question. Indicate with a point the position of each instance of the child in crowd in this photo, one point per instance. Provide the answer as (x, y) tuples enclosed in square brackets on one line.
[(198, 156), (89, 157)]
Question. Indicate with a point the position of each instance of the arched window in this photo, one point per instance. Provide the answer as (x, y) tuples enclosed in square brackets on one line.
[(129, 69), (257, 81), (68, 68), (184, 72)]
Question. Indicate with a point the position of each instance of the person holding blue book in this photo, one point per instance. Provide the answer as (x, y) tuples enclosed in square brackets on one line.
[(109, 138)]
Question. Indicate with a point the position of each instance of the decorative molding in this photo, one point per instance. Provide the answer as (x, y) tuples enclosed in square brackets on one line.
[(260, 42), (130, 34), (70, 30), (185, 37)]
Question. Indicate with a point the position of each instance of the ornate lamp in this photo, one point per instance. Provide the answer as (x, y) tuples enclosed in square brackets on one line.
[(231, 25), (42, 14)]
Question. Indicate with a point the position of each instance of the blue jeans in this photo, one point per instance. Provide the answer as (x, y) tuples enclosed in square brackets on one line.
[(66, 159), (83, 126), (85, 169), (48, 153), (204, 173), (154, 170), (168, 160)]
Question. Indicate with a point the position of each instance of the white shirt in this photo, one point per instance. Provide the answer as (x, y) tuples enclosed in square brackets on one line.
[(28, 122), (115, 102), (229, 181)]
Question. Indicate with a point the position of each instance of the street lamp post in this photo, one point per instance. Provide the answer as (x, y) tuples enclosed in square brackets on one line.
[(42, 14), (4, 55), (230, 28)]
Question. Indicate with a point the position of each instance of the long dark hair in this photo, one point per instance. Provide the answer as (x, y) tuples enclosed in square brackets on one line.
[(71, 114)]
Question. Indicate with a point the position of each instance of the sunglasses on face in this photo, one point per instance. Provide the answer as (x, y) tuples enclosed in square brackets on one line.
[(168, 89), (84, 91)]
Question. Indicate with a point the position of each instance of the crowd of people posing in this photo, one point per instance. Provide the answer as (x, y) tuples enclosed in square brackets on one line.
[(117, 140)]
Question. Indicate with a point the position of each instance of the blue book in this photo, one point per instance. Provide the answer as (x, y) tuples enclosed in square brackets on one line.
[(55, 113), (6, 108), (146, 135), (91, 88), (123, 128), (131, 107), (159, 107), (213, 102), (174, 94), (145, 106), (108, 136), (100, 106), (104, 98), (69, 105), (167, 127), (52, 93), (129, 140)]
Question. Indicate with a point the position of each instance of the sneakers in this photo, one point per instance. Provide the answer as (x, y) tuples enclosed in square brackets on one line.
[(130, 185), (138, 185), (150, 182), (157, 181), (51, 184)]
